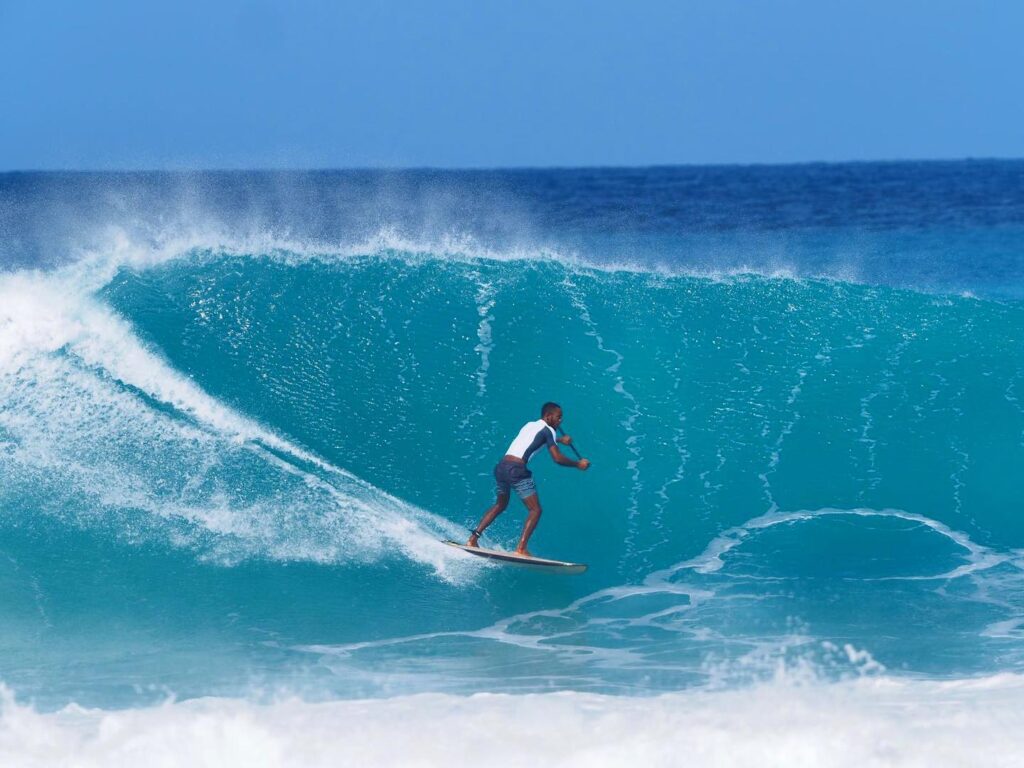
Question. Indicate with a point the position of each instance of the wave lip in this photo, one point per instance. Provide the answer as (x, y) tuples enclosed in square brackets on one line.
[(118, 247)]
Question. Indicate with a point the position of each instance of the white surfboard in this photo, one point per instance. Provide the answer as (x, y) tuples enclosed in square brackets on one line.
[(523, 561)]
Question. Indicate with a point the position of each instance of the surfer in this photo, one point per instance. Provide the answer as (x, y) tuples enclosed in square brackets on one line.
[(511, 471)]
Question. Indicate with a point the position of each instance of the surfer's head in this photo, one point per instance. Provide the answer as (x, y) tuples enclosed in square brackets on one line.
[(551, 413)]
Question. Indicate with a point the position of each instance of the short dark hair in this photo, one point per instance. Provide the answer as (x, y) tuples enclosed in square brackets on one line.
[(548, 408)]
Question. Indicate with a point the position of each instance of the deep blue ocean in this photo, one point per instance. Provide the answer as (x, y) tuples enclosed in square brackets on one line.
[(238, 411)]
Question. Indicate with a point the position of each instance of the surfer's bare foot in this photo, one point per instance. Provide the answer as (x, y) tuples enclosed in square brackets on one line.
[(522, 551), (474, 541)]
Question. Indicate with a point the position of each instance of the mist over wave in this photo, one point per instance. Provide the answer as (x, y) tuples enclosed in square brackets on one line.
[(942, 226)]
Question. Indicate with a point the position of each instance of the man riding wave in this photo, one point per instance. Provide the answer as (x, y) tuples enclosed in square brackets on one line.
[(511, 472)]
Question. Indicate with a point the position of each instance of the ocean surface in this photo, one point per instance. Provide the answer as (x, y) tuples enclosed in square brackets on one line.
[(238, 411)]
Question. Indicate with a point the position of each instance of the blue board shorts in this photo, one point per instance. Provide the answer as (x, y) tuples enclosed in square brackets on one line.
[(509, 475)]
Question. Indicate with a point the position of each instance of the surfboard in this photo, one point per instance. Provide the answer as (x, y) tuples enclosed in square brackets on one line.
[(523, 561)]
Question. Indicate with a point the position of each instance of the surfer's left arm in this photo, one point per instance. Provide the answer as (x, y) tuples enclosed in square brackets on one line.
[(565, 461)]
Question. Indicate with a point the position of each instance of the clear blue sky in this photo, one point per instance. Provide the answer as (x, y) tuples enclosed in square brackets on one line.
[(260, 84)]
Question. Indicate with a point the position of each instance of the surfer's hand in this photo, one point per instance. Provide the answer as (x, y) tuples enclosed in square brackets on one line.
[(565, 440), (583, 464)]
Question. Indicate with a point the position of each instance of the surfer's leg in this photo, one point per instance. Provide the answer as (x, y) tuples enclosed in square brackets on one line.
[(532, 503), (488, 518)]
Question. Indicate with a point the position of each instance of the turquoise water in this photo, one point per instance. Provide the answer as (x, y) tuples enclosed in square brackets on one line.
[(226, 470), (854, 444)]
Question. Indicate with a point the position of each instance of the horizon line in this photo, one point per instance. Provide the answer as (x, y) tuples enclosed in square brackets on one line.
[(505, 168)]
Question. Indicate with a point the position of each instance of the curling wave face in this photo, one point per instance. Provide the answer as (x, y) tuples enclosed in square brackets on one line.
[(786, 467), (226, 462)]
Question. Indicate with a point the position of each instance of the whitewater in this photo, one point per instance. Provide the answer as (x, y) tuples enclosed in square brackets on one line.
[(239, 411)]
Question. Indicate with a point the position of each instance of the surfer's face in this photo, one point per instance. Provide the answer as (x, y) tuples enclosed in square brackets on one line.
[(554, 418)]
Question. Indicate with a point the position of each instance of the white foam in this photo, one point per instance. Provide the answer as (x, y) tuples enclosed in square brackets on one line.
[(978, 557), (486, 297), (71, 375), (871, 723)]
